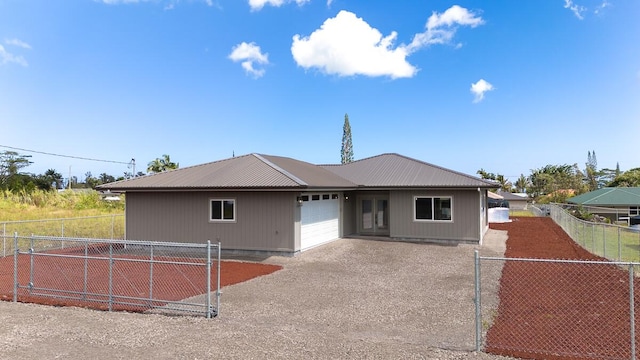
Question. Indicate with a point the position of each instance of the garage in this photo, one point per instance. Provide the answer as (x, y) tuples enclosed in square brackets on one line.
[(319, 219)]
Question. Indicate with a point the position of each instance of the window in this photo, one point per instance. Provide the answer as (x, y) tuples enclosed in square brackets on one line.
[(315, 197), (432, 208), (634, 210), (325, 196), (223, 210)]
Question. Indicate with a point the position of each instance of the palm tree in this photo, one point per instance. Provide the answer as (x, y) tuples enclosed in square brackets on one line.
[(54, 178), (161, 164), (521, 184)]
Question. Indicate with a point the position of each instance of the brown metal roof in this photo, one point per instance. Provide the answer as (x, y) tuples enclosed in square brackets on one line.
[(393, 170), (251, 171), (314, 176), (255, 171)]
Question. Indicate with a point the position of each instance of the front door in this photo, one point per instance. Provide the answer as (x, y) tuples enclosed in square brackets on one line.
[(374, 215)]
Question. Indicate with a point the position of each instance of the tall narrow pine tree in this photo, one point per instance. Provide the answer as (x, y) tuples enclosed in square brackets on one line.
[(346, 152)]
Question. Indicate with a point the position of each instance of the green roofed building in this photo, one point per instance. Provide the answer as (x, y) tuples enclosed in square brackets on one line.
[(618, 203)]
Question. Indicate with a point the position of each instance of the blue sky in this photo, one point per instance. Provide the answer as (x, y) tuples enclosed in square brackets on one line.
[(507, 86)]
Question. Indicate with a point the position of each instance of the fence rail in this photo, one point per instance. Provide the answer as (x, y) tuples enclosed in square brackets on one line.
[(113, 274), (613, 242), (558, 309), (99, 227)]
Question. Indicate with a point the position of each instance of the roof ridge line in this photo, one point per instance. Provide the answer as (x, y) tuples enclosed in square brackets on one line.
[(445, 169), (281, 170)]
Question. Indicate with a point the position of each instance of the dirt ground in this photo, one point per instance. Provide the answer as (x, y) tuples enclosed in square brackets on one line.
[(559, 310), (350, 299), (130, 278)]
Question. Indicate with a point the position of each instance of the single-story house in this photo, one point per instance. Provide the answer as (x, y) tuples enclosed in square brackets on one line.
[(516, 201), (282, 205), (618, 204)]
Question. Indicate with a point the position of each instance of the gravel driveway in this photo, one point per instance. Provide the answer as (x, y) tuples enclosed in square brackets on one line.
[(348, 299)]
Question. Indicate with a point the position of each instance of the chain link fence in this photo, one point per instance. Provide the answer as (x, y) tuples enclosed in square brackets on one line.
[(98, 227), (112, 274), (613, 242), (558, 309)]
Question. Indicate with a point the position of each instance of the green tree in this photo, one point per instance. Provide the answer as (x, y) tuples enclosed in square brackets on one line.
[(161, 164), (551, 178), (346, 151), (505, 184), (90, 180), (54, 178), (521, 184), (486, 175), (630, 178), (591, 171), (10, 164), (105, 178)]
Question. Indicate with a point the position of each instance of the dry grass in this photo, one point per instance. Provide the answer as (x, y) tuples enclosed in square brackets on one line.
[(53, 205)]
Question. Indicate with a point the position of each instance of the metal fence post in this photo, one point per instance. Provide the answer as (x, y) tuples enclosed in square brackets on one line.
[(593, 238), (619, 245), (110, 276), (151, 275), (218, 293), (86, 269), (604, 241), (208, 277), (632, 315), (477, 300), (15, 266), (31, 250)]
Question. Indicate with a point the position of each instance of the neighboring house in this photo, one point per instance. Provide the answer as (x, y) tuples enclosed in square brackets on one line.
[(617, 204), (496, 201), (277, 204), (516, 202)]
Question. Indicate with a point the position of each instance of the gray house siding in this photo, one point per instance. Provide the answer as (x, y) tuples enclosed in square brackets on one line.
[(348, 222), (265, 221), (465, 213)]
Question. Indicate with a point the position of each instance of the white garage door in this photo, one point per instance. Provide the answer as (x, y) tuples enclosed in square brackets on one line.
[(320, 224)]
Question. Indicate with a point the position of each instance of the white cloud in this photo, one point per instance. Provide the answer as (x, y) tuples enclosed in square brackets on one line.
[(441, 28), (346, 45), (329, 3), (249, 54), (259, 4), (479, 88), (7, 57), (598, 10), (16, 42), (575, 8)]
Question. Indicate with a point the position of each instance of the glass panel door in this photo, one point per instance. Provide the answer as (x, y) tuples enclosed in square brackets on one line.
[(367, 215), (382, 215), (374, 216)]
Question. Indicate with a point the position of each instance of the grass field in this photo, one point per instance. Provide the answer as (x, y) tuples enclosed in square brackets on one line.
[(68, 214), (613, 242)]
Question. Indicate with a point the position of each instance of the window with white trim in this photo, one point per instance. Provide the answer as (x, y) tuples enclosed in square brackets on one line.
[(432, 208), (634, 210), (222, 210)]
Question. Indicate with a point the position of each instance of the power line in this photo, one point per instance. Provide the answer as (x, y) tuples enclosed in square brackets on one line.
[(68, 156)]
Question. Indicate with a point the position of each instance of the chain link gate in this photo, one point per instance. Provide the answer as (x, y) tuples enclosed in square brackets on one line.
[(140, 276), (558, 309)]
